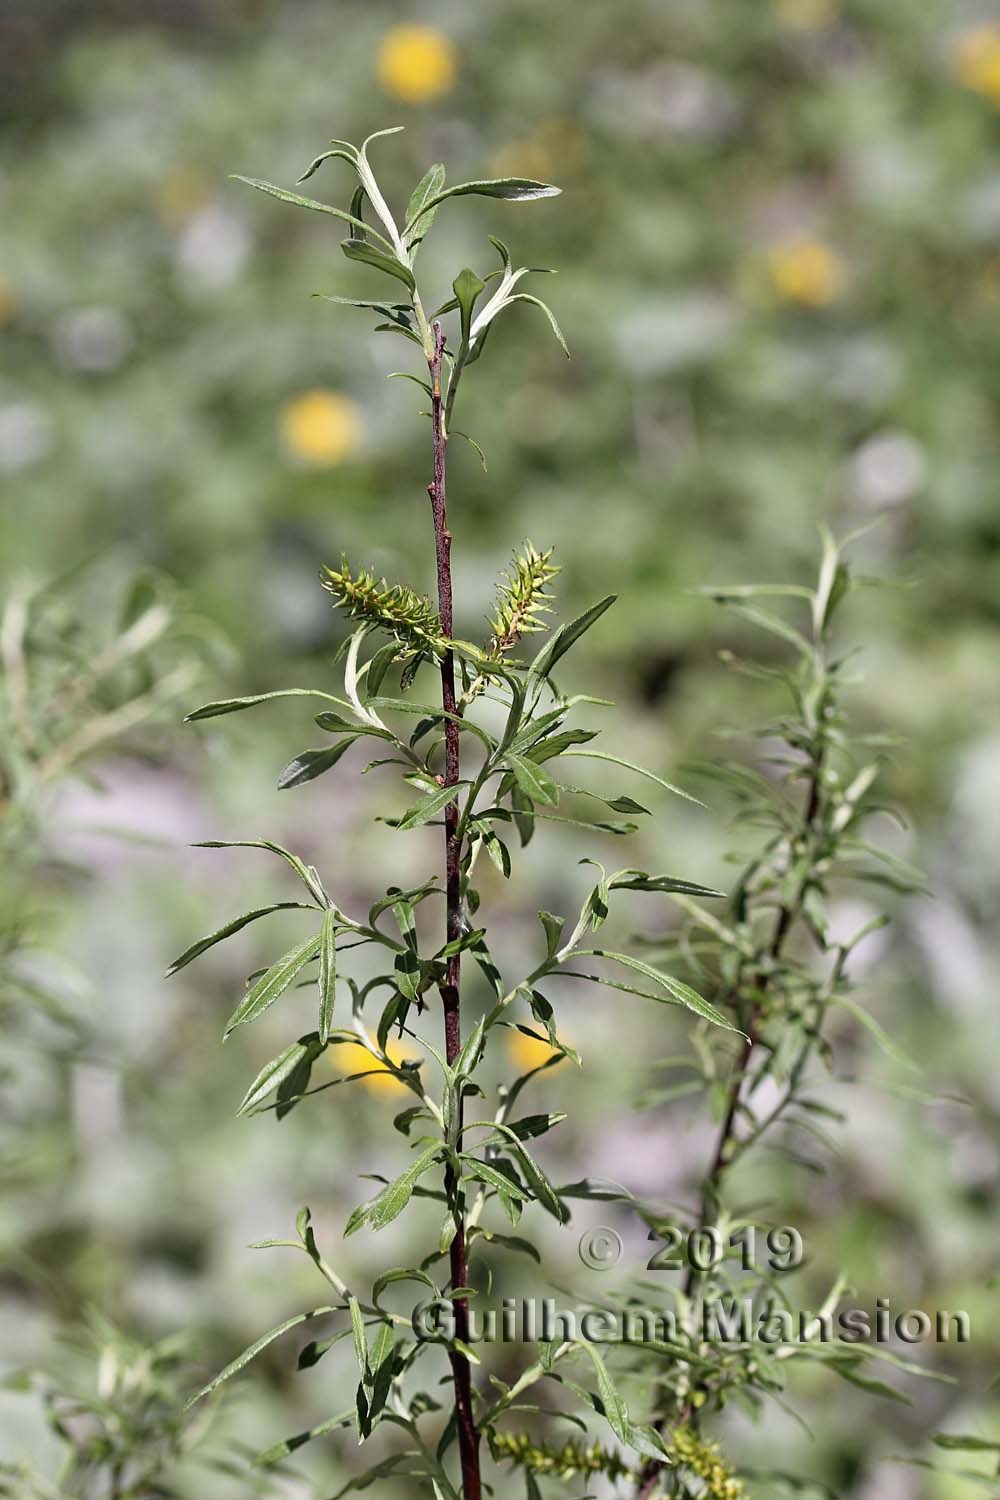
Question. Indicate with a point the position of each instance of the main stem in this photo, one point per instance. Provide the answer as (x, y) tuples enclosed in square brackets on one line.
[(468, 1436)]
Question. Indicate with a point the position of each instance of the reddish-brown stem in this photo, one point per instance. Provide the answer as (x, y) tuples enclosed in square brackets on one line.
[(468, 1436)]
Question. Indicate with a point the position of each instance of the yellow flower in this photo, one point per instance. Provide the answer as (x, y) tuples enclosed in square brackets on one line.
[(556, 149), (8, 303), (976, 61), (806, 271), (805, 15), (352, 1057), (526, 1051), (416, 63), (321, 427), (183, 193)]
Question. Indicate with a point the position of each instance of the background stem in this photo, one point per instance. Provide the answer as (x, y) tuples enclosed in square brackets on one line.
[(468, 1436)]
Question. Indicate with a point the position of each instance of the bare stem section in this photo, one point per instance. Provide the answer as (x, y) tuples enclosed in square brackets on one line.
[(468, 1436)]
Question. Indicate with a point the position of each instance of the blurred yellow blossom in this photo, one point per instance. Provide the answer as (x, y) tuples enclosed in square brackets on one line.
[(805, 15), (806, 271), (183, 193), (321, 427), (527, 1052), (8, 302), (977, 60), (556, 148), (353, 1057), (523, 159), (417, 63)]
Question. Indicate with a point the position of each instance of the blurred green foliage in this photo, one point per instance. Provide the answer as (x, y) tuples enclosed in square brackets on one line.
[(779, 252)]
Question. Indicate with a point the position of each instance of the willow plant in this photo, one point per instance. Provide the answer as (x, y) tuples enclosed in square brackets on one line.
[(773, 962), (485, 760)]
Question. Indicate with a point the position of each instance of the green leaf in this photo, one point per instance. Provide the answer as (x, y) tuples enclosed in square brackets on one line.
[(419, 217), (537, 302), (360, 1337), (488, 1172), (566, 636), (553, 932), (890, 1047), (312, 763), (400, 1273), (615, 1409), (467, 287), (514, 189), (966, 1444), (379, 666), (381, 260), (250, 1353), (680, 993), (533, 781), (536, 1179), (300, 202), (638, 880), (336, 724), (425, 710), (846, 1369), (273, 984), (327, 974), (429, 806), (292, 1089), (457, 432), (236, 705), (616, 760), (305, 872), (278, 1069), (531, 1126), (339, 149), (290, 1445), (391, 1201), (203, 944)]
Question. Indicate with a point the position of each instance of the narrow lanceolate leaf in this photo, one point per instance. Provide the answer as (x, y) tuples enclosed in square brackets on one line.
[(273, 983), (566, 636), (533, 781), (278, 1069), (615, 1409), (203, 944), (242, 1360), (360, 1337), (300, 202), (305, 872), (679, 992), (327, 974), (542, 1189), (616, 760), (514, 189), (312, 763), (419, 217), (391, 1201), (429, 806), (236, 705), (638, 880), (291, 1445), (380, 260), (889, 1046), (537, 302)]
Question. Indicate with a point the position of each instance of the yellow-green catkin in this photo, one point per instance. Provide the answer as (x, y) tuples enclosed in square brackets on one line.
[(704, 1461)]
